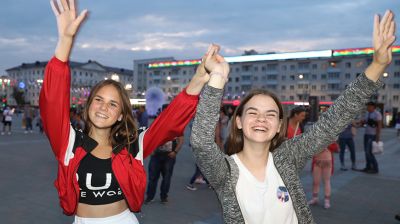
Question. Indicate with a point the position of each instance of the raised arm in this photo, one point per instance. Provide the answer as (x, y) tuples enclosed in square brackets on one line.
[(209, 157), (352, 101), (54, 98), (172, 121), (68, 24)]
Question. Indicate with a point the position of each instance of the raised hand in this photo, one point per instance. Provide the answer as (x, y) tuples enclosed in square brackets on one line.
[(215, 63), (383, 38), (67, 21), (68, 24)]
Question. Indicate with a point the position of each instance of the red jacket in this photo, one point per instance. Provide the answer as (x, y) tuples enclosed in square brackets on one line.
[(70, 146)]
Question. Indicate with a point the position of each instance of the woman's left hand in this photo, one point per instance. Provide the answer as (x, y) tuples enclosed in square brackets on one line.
[(383, 38)]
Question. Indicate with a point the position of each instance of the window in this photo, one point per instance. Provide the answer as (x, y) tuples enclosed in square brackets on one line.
[(237, 69), (272, 67), (263, 68), (314, 76), (397, 74), (292, 67), (323, 76), (284, 67), (304, 65), (256, 68), (314, 87), (314, 66), (272, 77), (396, 86), (292, 87), (283, 87), (283, 77), (348, 64), (237, 79), (395, 98), (323, 87), (333, 75), (322, 97), (246, 78), (397, 62), (347, 75), (291, 98), (246, 68)]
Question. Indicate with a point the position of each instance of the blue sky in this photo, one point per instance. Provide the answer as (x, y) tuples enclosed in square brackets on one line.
[(119, 31)]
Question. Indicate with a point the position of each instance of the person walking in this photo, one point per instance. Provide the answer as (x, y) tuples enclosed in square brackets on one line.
[(373, 122), (346, 138), (162, 163)]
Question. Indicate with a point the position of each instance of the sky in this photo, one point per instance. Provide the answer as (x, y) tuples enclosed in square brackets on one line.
[(120, 31)]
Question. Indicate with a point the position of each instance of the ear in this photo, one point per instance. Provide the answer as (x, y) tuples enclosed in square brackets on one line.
[(280, 125), (120, 118), (238, 122)]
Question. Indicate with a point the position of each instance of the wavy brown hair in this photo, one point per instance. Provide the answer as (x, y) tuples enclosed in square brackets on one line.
[(122, 132), (235, 140)]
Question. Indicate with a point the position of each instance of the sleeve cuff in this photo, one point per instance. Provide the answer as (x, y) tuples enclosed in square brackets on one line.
[(191, 97), (54, 60)]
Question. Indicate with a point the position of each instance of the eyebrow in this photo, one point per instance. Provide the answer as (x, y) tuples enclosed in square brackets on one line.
[(113, 101), (268, 111)]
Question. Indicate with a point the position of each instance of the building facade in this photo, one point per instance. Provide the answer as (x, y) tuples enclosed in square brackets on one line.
[(291, 76), (28, 78)]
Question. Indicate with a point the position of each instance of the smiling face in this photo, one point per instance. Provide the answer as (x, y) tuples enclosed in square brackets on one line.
[(105, 108), (260, 120)]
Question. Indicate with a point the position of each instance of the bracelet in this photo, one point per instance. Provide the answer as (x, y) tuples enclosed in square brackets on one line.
[(220, 75)]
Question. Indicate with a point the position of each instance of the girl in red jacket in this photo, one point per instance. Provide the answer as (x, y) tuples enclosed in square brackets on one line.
[(101, 178)]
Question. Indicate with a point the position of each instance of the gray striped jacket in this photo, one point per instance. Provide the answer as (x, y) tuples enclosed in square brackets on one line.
[(289, 158)]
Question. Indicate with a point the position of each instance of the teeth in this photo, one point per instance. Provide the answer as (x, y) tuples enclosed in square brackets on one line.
[(101, 115)]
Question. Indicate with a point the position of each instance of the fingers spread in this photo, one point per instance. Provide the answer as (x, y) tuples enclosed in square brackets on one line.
[(72, 5), (65, 5), (54, 8), (81, 16), (383, 22)]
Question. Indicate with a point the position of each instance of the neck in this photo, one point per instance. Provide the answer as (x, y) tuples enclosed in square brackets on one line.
[(101, 136), (293, 122), (255, 154)]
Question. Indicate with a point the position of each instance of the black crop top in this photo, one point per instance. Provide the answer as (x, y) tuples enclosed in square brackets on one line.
[(97, 183)]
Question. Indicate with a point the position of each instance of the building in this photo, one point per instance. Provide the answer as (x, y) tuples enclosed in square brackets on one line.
[(28, 77), (292, 76), (140, 74)]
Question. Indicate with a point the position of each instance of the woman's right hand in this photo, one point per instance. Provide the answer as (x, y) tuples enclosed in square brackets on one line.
[(217, 66), (68, 24)]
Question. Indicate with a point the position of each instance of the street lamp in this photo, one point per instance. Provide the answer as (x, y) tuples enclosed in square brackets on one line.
[(115, 77), (385, 75)]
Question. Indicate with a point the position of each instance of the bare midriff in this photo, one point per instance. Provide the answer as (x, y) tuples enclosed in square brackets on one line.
[(101, 211)]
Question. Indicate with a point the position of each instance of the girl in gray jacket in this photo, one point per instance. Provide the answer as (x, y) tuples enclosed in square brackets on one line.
[(257, 181)]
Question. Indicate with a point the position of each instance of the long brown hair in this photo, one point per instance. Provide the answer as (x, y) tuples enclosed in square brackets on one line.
[(122, 132), (235, 139)]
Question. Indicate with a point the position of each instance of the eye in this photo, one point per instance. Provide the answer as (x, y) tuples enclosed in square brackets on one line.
[(97, 99), (113, 105)]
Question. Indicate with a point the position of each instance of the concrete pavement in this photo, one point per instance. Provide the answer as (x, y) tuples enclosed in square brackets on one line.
[(28, 170)]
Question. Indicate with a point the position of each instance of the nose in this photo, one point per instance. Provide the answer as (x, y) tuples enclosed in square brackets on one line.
[(261, 117), (103, 106)]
